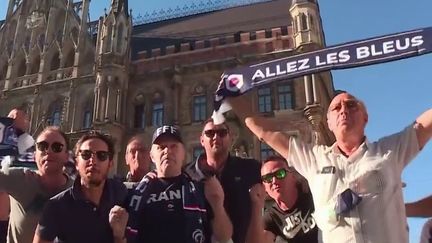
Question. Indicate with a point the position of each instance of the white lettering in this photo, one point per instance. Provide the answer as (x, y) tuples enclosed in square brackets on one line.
[(291, 67), (374, 51), (318, 61), (279, 71), (388, 47), (344, 56), (268, 73), (258, 74), (304, 64), (417, 41), (362, 52), (164, 196)]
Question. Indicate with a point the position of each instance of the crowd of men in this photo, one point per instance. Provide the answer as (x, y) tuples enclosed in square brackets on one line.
[(353, 191)]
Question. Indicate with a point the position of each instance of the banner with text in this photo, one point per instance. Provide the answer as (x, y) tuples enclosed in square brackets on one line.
[(353, 54)]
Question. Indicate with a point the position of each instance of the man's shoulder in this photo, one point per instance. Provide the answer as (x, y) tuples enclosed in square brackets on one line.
[(63, 196)]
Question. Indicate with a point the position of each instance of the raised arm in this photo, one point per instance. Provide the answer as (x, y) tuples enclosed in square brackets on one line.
[(424, 128), (262, 127), (421, 208), (221, 224), (256, 232)]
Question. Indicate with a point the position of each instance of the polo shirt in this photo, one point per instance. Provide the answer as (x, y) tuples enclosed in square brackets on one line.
[(237, 177), (27, 199), (373, 172), (70, 217)]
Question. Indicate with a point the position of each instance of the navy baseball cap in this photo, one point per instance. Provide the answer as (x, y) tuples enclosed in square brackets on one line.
[(167, 130)]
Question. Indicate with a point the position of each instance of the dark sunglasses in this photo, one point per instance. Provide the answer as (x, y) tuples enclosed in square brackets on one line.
[(43, 146), (279, 174), (100, 155), (220, 132)]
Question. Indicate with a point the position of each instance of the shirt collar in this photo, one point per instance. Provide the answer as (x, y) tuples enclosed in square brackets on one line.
[(335, 149), (78, 194)]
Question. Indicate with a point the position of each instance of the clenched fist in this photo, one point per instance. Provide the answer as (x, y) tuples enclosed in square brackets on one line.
[(213, 191), (118, 218), (258, 194)]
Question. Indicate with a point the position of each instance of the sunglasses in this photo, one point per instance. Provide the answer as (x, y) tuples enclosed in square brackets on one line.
[(220, 132), (100, 155), (43, 146), (279, 174)]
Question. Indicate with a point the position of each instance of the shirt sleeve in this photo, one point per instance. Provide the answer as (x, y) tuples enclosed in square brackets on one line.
[(301, 156), (48, 227), (11, 180), (403, 146)]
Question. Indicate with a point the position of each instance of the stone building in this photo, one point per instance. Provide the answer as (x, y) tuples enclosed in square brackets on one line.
[(124, 78)]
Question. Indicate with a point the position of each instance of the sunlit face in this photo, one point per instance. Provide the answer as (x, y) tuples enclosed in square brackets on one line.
[(216, 139), (168, 155), (346, 115), (137, 157), (50, 153), (276, 187), (93, 162)]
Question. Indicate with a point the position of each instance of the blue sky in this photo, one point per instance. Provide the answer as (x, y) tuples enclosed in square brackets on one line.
[(395, 93)]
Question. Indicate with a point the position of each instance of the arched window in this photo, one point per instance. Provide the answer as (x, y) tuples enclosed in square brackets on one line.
[(199, 108), (120, 39), (303, 21), (35, 65), (54, 114), (264, 99), (108, 37), (74, 35), (139, 116), (3, 71), (70, 58), (55, 61), (87, 119), (21, 68), (157, 114)]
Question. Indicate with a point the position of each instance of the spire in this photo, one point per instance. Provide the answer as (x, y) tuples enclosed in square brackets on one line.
[(118, 6)]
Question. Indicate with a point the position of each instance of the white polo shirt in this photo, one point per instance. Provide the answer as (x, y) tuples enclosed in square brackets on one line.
[(373, 171)]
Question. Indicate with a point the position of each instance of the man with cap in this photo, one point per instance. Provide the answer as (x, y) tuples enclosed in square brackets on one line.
[(172, 207)]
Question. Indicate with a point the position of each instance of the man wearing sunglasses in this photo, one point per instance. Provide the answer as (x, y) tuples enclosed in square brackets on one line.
[(237, 175), (80, 213), (29, 193), (172, 207), (356, 184), (289, 215)]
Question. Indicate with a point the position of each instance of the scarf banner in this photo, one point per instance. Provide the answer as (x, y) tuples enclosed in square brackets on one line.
[(353, 54)]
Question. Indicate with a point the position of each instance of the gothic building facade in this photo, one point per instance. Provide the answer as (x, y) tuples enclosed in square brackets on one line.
[(125, 79)]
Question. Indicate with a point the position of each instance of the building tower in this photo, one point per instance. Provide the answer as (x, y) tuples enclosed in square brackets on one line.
[(112, 71), (308, 36)]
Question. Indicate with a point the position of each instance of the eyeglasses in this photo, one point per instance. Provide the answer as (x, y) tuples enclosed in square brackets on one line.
[(279, 174), (100, 155), (349, 104), (43, 146), (220, 132)]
